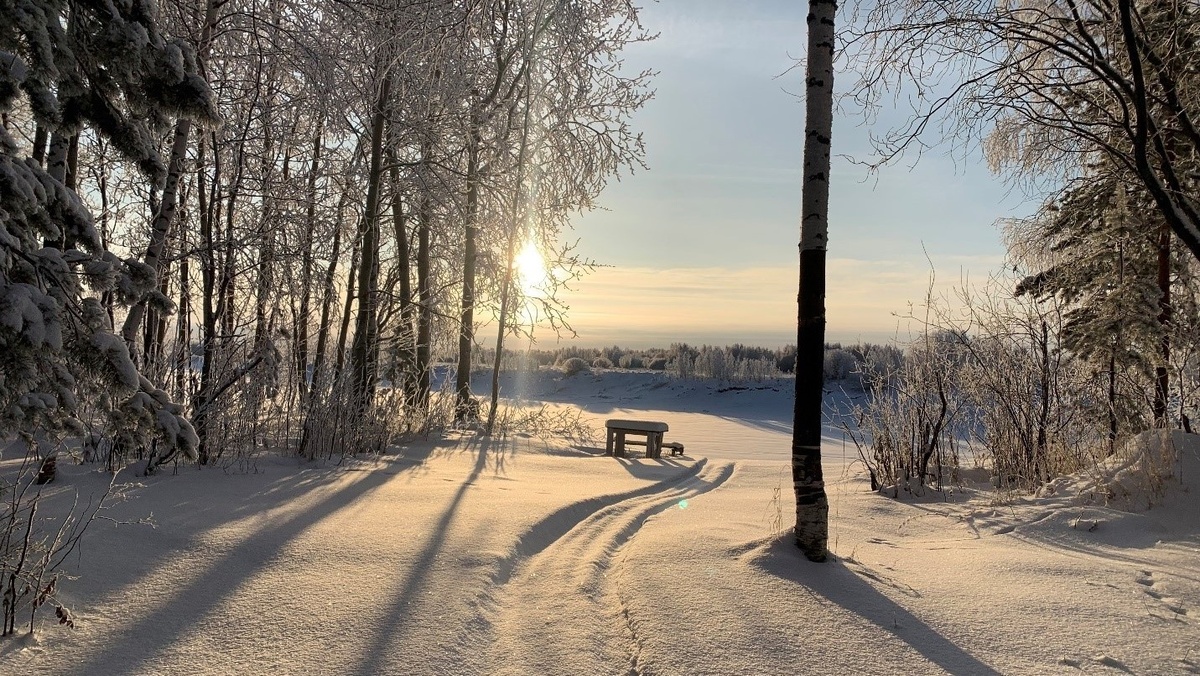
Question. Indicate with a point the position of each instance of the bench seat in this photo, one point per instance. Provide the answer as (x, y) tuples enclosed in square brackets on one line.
[(619, 431), (636, 425)]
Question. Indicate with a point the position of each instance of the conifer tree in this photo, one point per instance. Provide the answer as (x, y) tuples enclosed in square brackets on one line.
[(70, 66)]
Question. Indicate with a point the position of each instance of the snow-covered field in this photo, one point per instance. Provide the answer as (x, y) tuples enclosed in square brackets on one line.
[(466, 555)]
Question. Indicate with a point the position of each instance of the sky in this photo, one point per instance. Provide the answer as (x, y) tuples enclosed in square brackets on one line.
[(702, 246)]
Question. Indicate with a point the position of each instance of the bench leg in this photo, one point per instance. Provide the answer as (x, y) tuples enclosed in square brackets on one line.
[(619, 451), (608, 444), (654, 444)]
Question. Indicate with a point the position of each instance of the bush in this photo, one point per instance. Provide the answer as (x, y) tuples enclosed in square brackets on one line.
[(613, 354), (839, 364), (786, 363), (601, 363), (657, 364), (564, 354), (631, 361), (574, 365)]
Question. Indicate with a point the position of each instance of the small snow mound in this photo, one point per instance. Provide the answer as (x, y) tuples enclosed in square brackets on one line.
[(1150, 468), (776, 554)]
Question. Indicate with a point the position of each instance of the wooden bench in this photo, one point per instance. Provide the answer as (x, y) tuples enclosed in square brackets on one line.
[(618, 430), (675, 447)]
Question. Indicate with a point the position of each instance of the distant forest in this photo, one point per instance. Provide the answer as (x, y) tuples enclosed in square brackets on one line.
[(731, 362)]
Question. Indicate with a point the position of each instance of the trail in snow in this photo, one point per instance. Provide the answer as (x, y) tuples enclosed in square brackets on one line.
[(568, 589)]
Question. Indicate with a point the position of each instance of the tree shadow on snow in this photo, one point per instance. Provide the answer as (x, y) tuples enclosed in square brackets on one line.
[(596, 451), (137, 643), (841, 585), (393, 625)]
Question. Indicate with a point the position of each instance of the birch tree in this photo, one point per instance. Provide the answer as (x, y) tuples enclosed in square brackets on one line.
[(812, 505)]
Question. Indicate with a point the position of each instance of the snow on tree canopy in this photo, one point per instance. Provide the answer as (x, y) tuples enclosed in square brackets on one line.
[(115, 73)]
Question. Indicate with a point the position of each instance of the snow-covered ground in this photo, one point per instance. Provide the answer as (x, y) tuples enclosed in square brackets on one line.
[(465, 555)]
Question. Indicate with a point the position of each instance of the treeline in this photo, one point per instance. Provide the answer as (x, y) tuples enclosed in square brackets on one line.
[(730, 363), (225, 222)]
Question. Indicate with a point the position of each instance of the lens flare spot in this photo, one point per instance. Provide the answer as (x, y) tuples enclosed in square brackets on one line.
[(683, 504)]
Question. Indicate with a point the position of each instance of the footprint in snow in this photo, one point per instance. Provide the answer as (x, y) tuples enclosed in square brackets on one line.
[(1112, 662), (1150, 588)]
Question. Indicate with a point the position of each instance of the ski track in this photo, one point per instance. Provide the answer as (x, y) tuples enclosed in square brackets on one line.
[(574, 552)]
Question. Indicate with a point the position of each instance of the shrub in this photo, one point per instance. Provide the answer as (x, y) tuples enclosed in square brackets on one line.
[(631, 361), (656, 364), (572, 352), (613, 354), (786, 363), (574, 365), (601, 363), (839, 364)]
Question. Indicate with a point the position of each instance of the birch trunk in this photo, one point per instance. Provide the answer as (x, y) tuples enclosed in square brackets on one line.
[(514, 235), (812, 505), (208, 282)]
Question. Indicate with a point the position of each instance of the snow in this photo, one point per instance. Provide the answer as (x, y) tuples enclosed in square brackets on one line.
[(467, 555)]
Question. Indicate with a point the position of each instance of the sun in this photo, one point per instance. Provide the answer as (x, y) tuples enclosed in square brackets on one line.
[(531, 270)]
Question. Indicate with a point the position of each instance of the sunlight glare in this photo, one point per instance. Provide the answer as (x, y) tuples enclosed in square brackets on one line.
[(531, 269)]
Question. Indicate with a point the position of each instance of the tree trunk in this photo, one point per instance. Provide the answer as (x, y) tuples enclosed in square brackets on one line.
[(404, 336), (165, 214), (516, 216), (56, 167), (363, 353), (351, 284), (1113, 423), (812, 505), (40, 139), (306, 272), (1044, 410), (424, 282), (329, 291), (228, 286), (72, 179), (208, 282), (1162, 378), (183, 325), (56, 161), (466, 330), (161, 227)]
